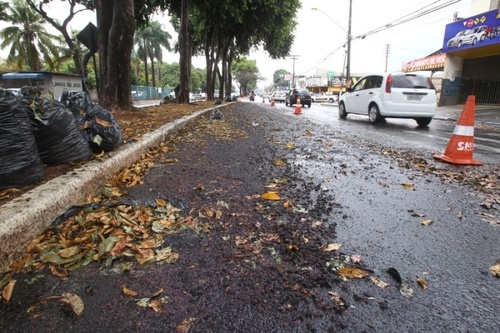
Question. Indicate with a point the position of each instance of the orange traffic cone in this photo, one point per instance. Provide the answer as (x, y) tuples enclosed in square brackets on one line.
[(461, 145), (272, 102), (298, 109)]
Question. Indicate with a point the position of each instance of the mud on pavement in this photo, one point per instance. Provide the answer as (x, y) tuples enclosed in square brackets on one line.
[(260, 266)]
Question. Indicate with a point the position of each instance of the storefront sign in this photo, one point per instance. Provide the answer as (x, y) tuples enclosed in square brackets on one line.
[(476, 31), (427, 63)]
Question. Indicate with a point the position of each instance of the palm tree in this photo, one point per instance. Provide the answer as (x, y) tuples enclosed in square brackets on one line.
[(149, 41), (30, 44)]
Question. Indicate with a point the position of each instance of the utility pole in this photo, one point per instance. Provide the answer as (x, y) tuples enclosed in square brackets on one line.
[(293, 57), (387, 51), (348, 66)]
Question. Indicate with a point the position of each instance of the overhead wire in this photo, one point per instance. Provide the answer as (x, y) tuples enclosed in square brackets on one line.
[(406, 18)]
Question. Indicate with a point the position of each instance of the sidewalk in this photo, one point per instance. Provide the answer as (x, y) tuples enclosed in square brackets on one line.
[(485, 114)]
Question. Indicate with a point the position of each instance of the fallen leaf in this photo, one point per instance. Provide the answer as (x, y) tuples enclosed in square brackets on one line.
[(199, 187), (7, 291), (129, 292), (495, 270), (408, 186), (279, 163), (58, 271), (331, 247), (406, 291), (290, 145), (379, 283), (74, 301), (421, 283), (309, 133), (69, 252), (185, 325), (156, 304), (271, 196), (426, 222), (355, 258), (352, 273), (161, 202)]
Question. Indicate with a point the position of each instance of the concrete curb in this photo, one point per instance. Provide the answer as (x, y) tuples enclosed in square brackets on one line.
[(22, 219)]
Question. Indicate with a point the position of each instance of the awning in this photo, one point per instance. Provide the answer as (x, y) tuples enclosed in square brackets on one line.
[(19, 75)]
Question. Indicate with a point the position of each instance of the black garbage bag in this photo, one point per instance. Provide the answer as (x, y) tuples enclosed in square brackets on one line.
[(20, 162), (56, 134), (78, 103), (102, 128)]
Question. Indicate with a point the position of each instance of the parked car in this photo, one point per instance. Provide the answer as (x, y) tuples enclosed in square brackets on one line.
[(391, 95), (294, 94), (323, 97), (279, 96)]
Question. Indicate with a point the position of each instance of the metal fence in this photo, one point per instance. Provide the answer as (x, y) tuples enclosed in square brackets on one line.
[(144, 92)]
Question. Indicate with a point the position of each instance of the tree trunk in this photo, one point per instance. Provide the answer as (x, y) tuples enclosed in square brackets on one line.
[(153, 73), (185, 54), (116, 27)]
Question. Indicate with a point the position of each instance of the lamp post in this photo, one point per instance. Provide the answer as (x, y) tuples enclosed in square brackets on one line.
[(349, 38)]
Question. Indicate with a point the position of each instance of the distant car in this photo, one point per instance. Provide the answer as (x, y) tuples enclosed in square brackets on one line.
[(279, 96), (323, 97), (391, 95), (298, 93)]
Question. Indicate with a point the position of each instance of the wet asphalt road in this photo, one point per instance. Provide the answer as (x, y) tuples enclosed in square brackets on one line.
[(373, 219), (452, 255)]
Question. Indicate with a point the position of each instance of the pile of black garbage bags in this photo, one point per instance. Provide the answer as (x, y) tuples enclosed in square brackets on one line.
[(37, 131)]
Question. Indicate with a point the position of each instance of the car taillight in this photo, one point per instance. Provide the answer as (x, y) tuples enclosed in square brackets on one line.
[(388, 84)]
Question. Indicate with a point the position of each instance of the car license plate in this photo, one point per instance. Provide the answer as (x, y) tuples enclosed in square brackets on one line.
[(414, 97)]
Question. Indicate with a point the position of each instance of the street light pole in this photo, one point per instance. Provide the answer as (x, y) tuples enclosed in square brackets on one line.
[(348, 66), (293, 57)]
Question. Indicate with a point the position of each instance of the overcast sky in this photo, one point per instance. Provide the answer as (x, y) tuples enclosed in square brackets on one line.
[(320, 34)]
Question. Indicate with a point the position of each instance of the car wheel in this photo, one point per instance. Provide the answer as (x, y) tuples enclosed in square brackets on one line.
[(330, 100), (309, 105), (459, 44), (342, 111), (374, 114), (474, 41), (423, 121)]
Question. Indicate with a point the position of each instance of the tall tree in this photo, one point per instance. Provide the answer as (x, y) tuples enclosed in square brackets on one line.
[(30, 44), (116, 27), (39, 7), (150, 40), (186, 52), (246, 74)]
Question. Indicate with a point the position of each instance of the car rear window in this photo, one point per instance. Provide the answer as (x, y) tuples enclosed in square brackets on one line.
[(411, 81)]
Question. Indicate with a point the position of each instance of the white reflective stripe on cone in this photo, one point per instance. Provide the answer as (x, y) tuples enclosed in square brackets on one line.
[(464, 130)]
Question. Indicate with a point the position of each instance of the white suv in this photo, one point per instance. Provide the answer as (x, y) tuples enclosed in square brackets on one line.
[(391, 95)]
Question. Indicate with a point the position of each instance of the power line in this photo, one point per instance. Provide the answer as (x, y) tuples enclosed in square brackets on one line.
[(405, 18)]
